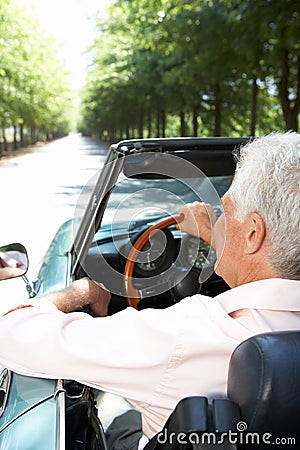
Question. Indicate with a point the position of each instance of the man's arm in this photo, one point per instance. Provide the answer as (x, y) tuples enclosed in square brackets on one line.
[(120, 353), (81, 293)]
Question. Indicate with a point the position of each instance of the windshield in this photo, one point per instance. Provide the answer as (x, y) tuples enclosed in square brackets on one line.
[(134, 200)]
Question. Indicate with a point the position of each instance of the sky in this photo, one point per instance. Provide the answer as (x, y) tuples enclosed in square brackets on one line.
[(70, 21)]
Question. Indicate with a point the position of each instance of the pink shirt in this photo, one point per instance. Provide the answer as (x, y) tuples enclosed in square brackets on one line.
[(151, 357)]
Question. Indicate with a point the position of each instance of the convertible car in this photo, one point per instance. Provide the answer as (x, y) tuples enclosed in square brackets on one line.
[(123, 234), (141, 187)]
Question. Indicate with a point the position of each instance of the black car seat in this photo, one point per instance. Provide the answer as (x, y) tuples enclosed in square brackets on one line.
[(263, 405)]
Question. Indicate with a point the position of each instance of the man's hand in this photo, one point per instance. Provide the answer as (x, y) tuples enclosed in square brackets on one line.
[(198, 221), (10, 272), (81, 293)]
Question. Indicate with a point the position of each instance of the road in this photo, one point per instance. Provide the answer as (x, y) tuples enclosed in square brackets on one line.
[(40, 190)]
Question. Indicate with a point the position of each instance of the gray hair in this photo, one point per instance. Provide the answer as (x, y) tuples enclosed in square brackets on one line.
[(267, 181)]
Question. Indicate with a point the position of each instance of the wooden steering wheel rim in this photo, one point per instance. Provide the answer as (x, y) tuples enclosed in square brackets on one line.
[(132, 294)]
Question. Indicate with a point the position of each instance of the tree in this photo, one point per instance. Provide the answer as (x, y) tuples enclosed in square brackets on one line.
[(33, 87), (273, 29), (210, 67)]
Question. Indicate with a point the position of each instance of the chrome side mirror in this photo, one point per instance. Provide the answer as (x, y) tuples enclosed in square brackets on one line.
[(13, 261)]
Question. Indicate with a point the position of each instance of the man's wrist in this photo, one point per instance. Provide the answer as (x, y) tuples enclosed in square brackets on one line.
[(79, 294)]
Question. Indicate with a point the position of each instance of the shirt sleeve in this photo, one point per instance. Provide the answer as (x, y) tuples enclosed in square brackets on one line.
[(126, 354)]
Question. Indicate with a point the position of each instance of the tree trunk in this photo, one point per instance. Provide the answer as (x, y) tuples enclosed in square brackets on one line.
[(290, 108), (149, 124), (163, 123), (195, 122), (4, 140), (22, 135), (32, 136), (141, 125), (218, 105), (253, 107), (182, 123), (15, 144), (158, 122)]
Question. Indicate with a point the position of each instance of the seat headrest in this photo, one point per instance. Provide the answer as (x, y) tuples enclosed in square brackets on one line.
[(264, 380)]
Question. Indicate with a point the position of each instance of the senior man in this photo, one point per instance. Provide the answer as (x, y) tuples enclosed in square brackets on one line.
[(156, 357)]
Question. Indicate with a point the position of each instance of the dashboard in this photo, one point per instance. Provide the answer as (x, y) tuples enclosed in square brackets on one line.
[(166, 246), (171, 265)]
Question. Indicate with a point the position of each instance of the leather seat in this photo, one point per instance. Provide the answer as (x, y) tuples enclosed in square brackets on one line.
[(264, 381), (263, 404)]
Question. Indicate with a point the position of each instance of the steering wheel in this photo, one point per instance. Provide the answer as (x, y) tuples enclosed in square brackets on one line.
[(132, 294)]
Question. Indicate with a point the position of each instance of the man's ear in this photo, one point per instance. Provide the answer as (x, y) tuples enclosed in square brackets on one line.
[(255, 233)]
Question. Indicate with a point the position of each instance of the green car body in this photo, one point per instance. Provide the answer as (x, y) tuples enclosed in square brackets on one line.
[(30, 419)]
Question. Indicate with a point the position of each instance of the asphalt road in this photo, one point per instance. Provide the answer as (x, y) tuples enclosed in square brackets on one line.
[(40, 190)]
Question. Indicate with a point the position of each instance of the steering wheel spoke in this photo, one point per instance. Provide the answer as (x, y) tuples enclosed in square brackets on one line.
[(133, 294)]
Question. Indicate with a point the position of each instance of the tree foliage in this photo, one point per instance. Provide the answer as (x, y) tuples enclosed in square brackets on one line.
[(203, 67), (33, 87)]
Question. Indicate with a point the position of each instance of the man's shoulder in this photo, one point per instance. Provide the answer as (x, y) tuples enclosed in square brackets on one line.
[(271, 293)]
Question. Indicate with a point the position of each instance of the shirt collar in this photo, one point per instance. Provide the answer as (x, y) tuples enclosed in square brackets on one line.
[(274, 293)]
